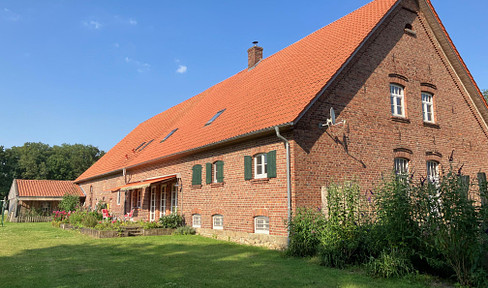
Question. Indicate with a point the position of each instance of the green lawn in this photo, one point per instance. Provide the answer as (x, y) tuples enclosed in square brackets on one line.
[(38, 255)]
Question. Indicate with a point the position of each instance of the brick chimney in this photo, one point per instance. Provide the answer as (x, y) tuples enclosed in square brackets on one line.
[(254, 55)]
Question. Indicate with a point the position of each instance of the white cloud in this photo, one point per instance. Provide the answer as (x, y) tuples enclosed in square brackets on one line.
[(9, 15), (140, 66), (181, 69), (92, 24), (132, 21)]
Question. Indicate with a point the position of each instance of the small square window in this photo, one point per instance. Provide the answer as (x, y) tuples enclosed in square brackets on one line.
[(218, 222), (261, 225), (401, 166), (197, 220)]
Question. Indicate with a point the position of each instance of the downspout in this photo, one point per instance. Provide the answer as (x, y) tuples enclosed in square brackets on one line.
[(288, 178)]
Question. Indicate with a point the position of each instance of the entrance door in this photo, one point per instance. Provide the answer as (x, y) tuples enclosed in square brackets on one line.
[(152, 211)]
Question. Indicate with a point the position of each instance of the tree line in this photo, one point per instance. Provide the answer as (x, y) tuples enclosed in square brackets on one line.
[(41, 161)]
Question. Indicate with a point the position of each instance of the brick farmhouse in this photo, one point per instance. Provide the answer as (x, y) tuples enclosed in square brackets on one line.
[(236, 159)]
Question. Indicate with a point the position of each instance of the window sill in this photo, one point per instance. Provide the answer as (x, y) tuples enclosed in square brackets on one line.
[(259, 181), (432, 125), (400, 119), (196, 186), (217, 185)]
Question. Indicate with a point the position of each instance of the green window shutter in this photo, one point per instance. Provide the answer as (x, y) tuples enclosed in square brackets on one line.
[(220, 171), (197, 175), (208, 175), (272, 164), (247, 167)]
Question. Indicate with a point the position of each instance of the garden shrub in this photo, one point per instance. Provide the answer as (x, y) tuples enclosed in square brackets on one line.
[(390, 263), (172, 221), (69, 202), (90, 221), (150, 225), (184, 230), (342, 238), (305, 232)]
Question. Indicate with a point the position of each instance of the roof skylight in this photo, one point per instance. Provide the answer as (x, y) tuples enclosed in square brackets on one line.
[(135, 149), (169, 135), (214, 117), (142, 148)]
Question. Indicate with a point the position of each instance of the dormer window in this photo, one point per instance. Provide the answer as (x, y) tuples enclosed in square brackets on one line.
[(214, 117), (169, 135)]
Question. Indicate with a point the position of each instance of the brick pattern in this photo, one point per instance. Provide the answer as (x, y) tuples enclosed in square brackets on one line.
[(237, 199), (365, 147)]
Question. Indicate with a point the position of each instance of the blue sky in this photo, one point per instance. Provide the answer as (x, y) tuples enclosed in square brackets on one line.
[(90, 71)]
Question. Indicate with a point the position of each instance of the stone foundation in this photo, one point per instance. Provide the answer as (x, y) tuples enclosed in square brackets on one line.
[(263, 240)]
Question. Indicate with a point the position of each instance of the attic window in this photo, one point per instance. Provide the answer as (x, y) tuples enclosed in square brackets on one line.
[(135, 149), (142, 148), (214, 117), (409, 29), (169, 135)]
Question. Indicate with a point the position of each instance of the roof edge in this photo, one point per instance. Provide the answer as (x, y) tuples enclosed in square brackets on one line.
[(456, 61), (346, 64), (193, 150)]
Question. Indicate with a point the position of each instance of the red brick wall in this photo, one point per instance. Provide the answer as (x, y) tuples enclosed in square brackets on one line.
[(239, 201), (364, 148)]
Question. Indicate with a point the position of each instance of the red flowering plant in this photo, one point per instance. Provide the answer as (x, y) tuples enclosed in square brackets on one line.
[(61, 216)]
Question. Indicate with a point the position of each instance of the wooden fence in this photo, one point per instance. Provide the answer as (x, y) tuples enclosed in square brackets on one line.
[(25, 218)]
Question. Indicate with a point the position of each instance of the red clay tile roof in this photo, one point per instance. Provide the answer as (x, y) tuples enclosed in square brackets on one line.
[(274, 92), (47, 188)]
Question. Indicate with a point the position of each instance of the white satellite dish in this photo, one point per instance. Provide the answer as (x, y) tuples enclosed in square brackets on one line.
[(332, 120)]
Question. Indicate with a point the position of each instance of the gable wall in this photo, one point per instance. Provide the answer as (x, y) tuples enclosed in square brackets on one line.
[(363, 149), (237, 200)]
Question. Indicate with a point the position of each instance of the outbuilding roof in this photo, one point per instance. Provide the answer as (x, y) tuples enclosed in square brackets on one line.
[(275, 92), (47, 188)]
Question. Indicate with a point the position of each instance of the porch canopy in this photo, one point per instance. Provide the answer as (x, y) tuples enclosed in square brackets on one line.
[(144, 183)]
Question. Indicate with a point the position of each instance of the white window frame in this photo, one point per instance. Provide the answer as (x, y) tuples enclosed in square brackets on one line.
[(214, 172), (162, 203), (428, 107), (263, 166), (433, 171), (218, 222), (174, 198), (261, 225), (152, 206), (401, 166), (196, 220), (118, 197), (397, 93)]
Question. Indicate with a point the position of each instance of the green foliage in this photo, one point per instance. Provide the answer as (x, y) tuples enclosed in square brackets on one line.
[(76, 218), (69, 202), (89, 221), (305, 229), (485, 94), (184, 230), (390, 263), (150, 225), (172, 221), (41, 161), (343, 237), (429, 227)]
